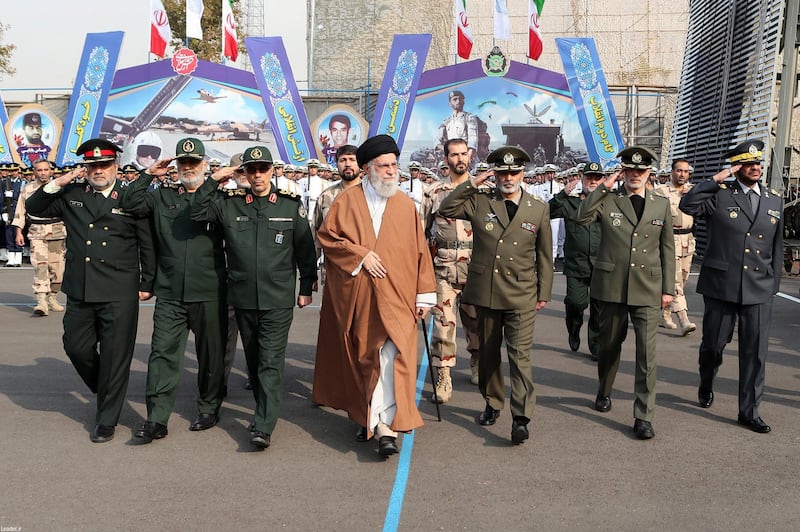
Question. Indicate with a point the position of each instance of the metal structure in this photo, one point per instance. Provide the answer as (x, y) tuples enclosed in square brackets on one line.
[(253, 24), (728, 79)]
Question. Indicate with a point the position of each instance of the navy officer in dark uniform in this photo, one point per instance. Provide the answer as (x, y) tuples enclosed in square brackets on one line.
[(741, 272), (110, 266), (190, 290), (267, 239)]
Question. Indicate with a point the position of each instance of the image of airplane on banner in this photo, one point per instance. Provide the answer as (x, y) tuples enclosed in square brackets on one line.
[(152, 106)]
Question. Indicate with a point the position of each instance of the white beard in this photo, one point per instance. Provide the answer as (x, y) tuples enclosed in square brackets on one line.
[(384, 189), (191, 182)]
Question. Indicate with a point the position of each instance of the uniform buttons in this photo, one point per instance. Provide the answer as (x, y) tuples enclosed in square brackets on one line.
[(497, 271), (641, 266), (760, 236), (88, 259), (748, 234), (758, 252), (500, 241), (510, 258), (756, 268), (105, 228), (91, 226), (103, 244), (497, 256), (746, 250), (644, 251), (633, 249), (745, 266), (633, 265), (508, 273), (515, 243), (88, 242), (647, 236), (635, 234)]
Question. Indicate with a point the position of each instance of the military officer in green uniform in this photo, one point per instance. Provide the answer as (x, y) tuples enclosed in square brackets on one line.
[(267, 239), (510, 279), (110, 266), (634, 274), (581, 243), (190, 290)]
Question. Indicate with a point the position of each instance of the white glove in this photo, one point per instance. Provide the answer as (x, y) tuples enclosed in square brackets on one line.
[(5, 217)]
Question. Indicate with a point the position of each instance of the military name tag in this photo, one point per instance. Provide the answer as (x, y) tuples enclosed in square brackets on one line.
[(120, 212), (74, 203), (489, 226), (659, 223), (774, 213), (279, 238), (615, 214)]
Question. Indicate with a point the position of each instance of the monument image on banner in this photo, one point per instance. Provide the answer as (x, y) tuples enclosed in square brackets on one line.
[(338, 125), (527, 106), (33, 133), (152, 106)]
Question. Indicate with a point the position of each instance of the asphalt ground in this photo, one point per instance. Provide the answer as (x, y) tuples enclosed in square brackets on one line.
[(581, 470)]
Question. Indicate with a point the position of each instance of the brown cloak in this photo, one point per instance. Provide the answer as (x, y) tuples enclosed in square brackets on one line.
[(359, 312)]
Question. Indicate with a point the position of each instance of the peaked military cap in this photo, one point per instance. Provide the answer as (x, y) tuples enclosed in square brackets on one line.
[(749, 151), (313, 163), (256, 154), (593, 168), (129, 168), (509, 159), (32, 119), (277, 163), (443, 165), (637, 157), (98, 151), (190, 148), (414, 165), (481, 167)]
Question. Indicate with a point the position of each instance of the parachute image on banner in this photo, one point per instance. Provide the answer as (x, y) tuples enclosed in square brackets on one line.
[(338, 125), (33, 133), (153, 106), (526, 106)]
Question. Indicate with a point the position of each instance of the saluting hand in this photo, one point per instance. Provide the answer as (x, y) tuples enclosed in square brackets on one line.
[(224, 173), (611, 179), (65, 179), (725, 174), (160, 167)]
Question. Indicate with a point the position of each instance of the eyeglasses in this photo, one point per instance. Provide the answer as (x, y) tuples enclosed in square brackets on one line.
[(257, 168), (145, 150)]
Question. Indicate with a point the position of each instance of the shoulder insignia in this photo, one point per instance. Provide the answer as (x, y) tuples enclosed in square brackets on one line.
[(538, 198), (773, 192), (723, 186), (287, 194)]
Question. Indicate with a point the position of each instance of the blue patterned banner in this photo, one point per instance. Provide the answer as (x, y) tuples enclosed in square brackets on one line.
[(88, 102), (5, 150), (281, 99), (587, 84), (399, 87)]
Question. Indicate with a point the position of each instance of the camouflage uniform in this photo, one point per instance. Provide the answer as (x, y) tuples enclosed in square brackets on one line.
[(323, 205), (453, 241), (684, 251), (48, 246)]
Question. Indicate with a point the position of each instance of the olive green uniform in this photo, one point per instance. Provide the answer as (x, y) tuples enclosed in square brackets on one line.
[(190, 287), (580, 249), (511, 269), (634, 267), (267, 239)]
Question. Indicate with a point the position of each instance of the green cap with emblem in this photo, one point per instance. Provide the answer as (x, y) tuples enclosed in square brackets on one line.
[(637, 157), (593, 168), (509, 159), (256, 154), (190, 148)]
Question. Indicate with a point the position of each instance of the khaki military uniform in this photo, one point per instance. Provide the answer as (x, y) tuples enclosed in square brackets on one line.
[(682, 225), (324, 202), (48, 238), (452, 239)]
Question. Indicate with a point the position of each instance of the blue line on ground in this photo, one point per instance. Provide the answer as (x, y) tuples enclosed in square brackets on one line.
[(392, 519)]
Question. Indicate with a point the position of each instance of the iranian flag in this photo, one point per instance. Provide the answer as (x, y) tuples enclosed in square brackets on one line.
[(160, 33), (230, 46), (534, 31), (464, 33)]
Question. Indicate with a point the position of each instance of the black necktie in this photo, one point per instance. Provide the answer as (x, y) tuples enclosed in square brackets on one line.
[(638, 205), (511, 209), (753, 200)]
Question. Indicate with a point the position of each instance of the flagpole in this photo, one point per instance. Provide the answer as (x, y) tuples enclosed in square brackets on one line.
[(222, 30)]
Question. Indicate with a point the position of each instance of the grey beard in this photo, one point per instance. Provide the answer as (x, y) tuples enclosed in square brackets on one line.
[(197, 180), (385, 190)]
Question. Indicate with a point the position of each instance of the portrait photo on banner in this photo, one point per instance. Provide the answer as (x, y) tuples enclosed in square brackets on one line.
[(33, 133), (338, 125)]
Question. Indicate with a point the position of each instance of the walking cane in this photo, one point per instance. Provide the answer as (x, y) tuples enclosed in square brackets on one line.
[(424, 327)]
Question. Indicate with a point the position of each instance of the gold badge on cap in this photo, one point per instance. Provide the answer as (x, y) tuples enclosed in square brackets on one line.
[(188, 146), (256, 153), (97, 152), (636, 157), (752, 150), (508, 158)]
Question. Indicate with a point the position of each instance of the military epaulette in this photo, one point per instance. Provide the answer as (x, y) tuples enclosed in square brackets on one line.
[(723, 186), (233, 192), (288, 194), (773, 192), (538, 198), (483, 189)]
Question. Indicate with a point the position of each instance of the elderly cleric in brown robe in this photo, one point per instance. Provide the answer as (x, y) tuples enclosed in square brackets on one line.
[(379, 282)]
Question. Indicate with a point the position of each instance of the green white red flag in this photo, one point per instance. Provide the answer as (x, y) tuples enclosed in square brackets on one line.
[(534, 32), (230, 45), (464, 39)]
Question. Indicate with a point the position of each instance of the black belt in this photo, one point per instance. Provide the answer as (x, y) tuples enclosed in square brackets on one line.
[(454, 244), (33, 220), (681, 231)]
